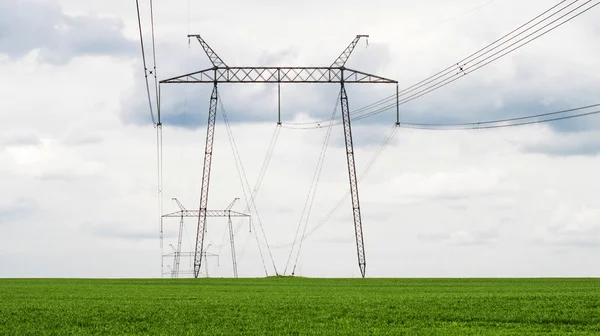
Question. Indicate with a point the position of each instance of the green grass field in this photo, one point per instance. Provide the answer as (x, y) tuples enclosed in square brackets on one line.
[(301, 306)]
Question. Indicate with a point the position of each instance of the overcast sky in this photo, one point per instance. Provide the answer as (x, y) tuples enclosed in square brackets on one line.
[(78, 149)]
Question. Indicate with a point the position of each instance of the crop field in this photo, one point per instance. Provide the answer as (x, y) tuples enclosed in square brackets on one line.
[(300, 306)]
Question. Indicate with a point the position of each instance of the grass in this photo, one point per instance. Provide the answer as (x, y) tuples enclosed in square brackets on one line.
[(300, 306)]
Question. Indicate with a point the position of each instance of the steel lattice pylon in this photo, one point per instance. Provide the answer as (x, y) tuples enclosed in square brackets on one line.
[(336, 73)]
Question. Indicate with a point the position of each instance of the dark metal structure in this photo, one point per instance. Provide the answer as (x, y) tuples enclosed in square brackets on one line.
[(336, 73), (183, 213)]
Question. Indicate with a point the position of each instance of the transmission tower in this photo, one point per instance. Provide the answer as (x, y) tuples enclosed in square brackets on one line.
[(183, 213), (337, 73), (205, 255)]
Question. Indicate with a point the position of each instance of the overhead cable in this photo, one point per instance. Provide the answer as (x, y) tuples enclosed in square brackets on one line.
[(144, 63), (239, 167), (312, 191), (245, 179), (475, 126), (384, 144), (466, 66)]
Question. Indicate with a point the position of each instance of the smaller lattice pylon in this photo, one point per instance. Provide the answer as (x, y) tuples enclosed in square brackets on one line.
[(179, 273), (183, 213)]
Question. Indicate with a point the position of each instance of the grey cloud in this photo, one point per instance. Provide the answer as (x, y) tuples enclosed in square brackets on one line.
[(434, 237), (80, 139), (571, 227), (18, 210), (566, 145), (510, 107), (561, 237), (451, 186), (375, 61), (121, 231), (28, 25), (363, 135), (334, 240), (20, 138), (275, 58), (59, 176), (464, 238)]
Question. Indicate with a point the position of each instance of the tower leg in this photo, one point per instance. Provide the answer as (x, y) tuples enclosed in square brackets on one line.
[(233, 258), (178, 252), (206, 263), (173, 273), (360, 246), (210, 135)]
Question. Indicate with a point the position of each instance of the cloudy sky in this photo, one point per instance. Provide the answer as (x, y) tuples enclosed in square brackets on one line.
[(78, 149)]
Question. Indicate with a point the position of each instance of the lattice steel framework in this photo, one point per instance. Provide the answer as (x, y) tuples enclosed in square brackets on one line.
[(336, 73)]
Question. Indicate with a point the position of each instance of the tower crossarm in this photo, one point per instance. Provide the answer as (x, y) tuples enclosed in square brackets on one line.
[(209, 213), (279, 75), (343, 58), (231, 204), (179, 204), (189, 254), (212, 55)]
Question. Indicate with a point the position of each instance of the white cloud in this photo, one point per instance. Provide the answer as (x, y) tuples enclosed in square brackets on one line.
[(43, 26)]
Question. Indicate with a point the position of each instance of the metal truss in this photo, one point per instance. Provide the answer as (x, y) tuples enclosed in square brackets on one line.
[(279, 75), (209, 213), (189, 254)]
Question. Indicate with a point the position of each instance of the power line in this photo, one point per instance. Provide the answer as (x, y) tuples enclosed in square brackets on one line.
[(144, 62), (253, 204), (478, 54), (501, 120), (475, 126), (460, 69), (384, 144), (310, 198), (258, 183), (238, 163), (159, 173), (461, 65), (154, 53), (452, 67), (482, 63), (440, 127)]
